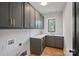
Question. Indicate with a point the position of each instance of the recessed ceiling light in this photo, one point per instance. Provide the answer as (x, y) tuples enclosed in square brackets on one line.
[(43, 3)]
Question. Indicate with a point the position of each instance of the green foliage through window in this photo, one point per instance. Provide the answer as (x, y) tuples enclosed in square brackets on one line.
[(51, 25)]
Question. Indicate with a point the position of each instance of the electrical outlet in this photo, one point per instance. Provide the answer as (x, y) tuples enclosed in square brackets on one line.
[(10, 42)]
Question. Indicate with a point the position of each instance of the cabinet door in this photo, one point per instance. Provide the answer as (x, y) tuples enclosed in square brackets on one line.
[(17, 14), (27, 20), (35, 46), (59, 42), (50, 41), (11, 14), (32, 17), (41, 22), (4, 14), (37, 17), (43, 43)]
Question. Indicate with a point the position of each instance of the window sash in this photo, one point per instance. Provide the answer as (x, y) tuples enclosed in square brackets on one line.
[(51, 25)]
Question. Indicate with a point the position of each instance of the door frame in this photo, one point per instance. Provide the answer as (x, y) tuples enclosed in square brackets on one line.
[(74, 32)]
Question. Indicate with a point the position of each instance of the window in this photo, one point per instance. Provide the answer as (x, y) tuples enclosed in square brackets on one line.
[(51, 25)]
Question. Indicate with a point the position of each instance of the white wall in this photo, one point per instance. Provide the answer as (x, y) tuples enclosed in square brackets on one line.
[(59, 23), (19, 36), (67, 28)]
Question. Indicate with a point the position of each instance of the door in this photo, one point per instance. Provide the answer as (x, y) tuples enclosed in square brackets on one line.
[(4, 14), (75, 50), (16, 14), (77, 29)]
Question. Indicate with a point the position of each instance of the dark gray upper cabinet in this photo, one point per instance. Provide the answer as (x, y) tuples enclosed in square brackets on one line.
[(11, 14), (19, 15), (32, 18), (16, 14), (26, 15), (41, 22), (37, 17), (4, 14)]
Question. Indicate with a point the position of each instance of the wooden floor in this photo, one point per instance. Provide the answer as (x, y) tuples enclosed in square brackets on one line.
[(48, 51)]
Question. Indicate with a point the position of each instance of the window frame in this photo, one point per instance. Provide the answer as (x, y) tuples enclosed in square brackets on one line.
[(54, 25)]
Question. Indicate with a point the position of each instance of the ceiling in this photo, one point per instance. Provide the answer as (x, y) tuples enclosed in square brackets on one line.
[(49, 8)]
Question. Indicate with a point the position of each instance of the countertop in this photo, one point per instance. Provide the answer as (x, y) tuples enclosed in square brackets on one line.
[(39, 36), (43, 35), (56, 35)]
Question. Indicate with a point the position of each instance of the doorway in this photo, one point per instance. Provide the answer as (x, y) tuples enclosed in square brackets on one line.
[(75, 50)]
